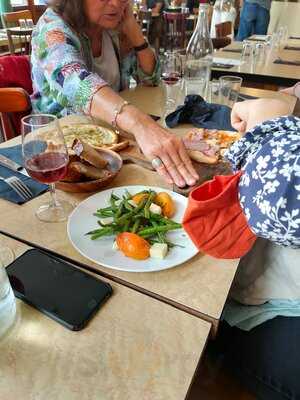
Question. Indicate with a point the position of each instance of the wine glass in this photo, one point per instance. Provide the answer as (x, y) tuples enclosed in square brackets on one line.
[(171, 79), (46, 158)]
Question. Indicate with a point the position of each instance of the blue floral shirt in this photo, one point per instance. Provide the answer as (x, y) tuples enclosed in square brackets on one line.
[(269, 189), (269, 193)]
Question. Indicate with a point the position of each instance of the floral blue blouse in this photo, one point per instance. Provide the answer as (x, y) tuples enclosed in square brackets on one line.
[(63, 76), (269, 189)]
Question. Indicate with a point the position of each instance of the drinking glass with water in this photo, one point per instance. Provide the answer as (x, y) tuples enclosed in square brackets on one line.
[(7, 298)]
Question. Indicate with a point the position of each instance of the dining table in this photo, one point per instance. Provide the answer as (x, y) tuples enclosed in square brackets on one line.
[(266, 72), (135, 347), (199, 286)]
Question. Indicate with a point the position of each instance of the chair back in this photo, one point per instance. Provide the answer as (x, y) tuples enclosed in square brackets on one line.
[(14, 105), (223, 29), (15, 88), (19, 41), (175, 26), (12, 18)]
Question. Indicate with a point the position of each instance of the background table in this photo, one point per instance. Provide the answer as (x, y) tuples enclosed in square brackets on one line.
[(268, 72), (135, 347)]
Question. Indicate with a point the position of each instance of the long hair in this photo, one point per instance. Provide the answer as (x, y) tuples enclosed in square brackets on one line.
[(72, 11)]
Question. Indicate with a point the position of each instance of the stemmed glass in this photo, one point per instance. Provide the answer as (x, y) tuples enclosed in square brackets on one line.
[(46, 158), (171, 79)]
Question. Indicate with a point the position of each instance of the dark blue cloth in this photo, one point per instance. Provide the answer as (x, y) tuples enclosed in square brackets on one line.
[(265, 359), (6, 192), (198, 112)]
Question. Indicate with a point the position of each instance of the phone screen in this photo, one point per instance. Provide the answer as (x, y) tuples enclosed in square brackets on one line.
[(61, 291)]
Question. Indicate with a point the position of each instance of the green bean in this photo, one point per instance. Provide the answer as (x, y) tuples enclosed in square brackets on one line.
[(160, 235), (151, 231), (103, 232), (136, 225), (148, 204), (114, 197), (119, 212)]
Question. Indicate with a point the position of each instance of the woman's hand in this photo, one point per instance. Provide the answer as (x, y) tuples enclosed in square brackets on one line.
[(246, 114), (157, 142), (129, 26)]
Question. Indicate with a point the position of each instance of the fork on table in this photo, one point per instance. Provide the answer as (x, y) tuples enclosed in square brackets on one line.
[(18, 186)]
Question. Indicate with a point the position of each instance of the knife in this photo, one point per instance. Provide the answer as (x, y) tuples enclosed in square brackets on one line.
[(10, 164)]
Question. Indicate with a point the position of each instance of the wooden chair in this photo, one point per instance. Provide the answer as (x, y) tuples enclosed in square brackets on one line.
[(175, 27), (12, 18), (12, 101), (19, 41), (223, 29), (222, 39)]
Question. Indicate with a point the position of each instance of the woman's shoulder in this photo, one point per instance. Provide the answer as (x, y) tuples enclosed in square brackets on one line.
[(52, 26)]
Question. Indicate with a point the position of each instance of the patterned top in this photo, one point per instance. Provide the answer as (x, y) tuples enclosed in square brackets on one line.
[(269, 190), (64, 80), (269, 193)]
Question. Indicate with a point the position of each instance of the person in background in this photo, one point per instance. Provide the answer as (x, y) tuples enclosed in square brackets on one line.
[(255, 214), (79, 65), (254, 18)]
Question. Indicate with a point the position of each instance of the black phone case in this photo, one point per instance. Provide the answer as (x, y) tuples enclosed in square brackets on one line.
[(52, 314)]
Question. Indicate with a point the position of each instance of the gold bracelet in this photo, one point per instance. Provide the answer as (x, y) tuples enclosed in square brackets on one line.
[(118, 111)]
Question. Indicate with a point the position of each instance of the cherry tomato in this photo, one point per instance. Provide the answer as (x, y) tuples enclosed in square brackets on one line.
[(166, 203), (133, 245)]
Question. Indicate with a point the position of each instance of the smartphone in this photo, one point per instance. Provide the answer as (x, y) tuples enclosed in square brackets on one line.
[(155, 117), (56, 288)]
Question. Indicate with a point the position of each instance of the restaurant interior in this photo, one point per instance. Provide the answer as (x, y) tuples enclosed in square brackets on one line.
[(149, 199)]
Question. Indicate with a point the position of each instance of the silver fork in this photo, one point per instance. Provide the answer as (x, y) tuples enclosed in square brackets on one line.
[(18, 186)]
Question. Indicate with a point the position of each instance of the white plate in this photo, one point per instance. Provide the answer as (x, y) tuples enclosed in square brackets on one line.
[(100, 251)]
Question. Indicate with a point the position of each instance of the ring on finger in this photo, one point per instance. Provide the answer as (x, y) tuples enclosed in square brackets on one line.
[(157, 163)]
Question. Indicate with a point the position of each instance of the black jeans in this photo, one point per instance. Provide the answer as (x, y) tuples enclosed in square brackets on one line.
[(266, 360)]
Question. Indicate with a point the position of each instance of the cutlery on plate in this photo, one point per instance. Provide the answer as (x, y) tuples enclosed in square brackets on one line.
[(10, 164), (18, 186)]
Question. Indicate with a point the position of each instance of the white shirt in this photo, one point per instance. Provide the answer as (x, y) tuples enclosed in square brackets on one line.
[(107, 65)]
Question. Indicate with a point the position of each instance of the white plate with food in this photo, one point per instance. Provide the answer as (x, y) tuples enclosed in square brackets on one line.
[(142, 219)]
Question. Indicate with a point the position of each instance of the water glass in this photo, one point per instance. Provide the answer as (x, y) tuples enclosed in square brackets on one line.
[(213, 92), (247, 52), (197, 76), (229, 89), (259, 53), (7, 299)]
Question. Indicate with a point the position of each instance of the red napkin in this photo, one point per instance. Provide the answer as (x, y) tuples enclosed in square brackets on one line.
[(215, 221)]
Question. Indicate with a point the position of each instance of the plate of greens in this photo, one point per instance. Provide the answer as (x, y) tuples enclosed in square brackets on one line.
[(132, 228)]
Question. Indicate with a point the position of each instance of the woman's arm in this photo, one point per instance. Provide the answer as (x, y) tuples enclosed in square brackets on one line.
[(154, 140), (293, 90), (132, 31), (73, 86), (245, 115)]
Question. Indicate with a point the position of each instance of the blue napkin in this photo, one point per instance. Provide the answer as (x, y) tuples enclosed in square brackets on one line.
[(198, 112), (6, 192)]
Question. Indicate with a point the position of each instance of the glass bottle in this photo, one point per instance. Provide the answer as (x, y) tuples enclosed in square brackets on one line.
[(200, 44), (199, 56)]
